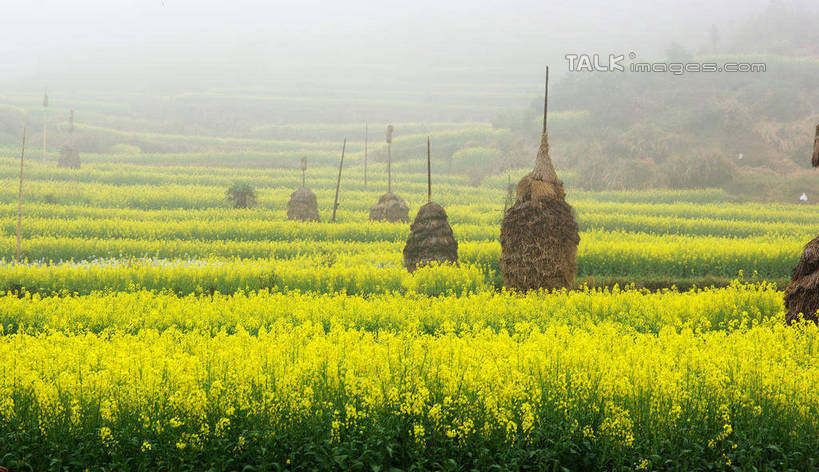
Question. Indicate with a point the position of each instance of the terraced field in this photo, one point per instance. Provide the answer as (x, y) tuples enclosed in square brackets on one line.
[(152, 327)]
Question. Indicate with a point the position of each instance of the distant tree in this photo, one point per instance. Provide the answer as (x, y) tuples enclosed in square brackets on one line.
[(241, 195)]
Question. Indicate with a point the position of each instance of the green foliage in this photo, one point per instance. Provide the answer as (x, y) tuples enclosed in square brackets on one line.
[(241, 195), (474, 158)]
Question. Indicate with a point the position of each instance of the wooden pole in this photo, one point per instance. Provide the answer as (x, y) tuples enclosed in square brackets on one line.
[(338, 183), (45, 124), (546, 99), (20, 200), (816, 148), (429, 174), (45, 132), (365, 155), (389, 158)]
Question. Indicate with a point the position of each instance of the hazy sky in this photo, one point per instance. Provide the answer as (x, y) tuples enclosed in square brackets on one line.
[(176, 45)]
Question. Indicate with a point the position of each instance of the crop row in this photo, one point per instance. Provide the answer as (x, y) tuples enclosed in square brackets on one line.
[(352, 225), (300, 395), (364, 268), (645, 312), (483, 211)]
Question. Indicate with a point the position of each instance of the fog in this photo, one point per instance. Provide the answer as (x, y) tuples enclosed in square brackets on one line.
[(167, 46)]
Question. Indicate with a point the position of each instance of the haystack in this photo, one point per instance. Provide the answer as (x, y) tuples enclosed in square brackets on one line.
[(302, 206), (539, 235), (431, 238), (802, 294), (390, 207), (69, 158)]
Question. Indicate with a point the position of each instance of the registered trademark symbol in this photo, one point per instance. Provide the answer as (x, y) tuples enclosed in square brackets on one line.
[(632, 55)]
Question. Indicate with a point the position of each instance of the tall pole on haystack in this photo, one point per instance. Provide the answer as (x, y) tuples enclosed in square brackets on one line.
[(429, 174), (303, 171), (338, 183), (546, 100), (816, 148), (20, 200), (365, 154), (389, 158), (45, 123)]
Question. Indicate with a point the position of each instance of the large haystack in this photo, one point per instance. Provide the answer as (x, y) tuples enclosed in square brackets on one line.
[(430, 239), (539, 235), (802, 295), (390, 207), (69, 158), (302, 206)]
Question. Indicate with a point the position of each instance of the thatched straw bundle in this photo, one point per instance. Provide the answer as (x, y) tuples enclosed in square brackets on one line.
[(802, 294), (390, 207), (430, 239), (302, 206), (539, 235), (69, 158)]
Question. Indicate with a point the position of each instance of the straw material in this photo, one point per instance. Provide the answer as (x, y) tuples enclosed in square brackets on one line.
[(539, 235), (302, 206), (544, 170), (430, 239), (802, 295), (390, 207)]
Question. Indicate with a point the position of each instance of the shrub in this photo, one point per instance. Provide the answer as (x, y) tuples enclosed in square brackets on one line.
[(241, 195)]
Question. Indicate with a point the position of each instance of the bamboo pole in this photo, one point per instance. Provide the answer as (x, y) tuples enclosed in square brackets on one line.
[(429, 174), (546, 99), (389, 158), (45, 124), (338, 183), (20, 200)]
